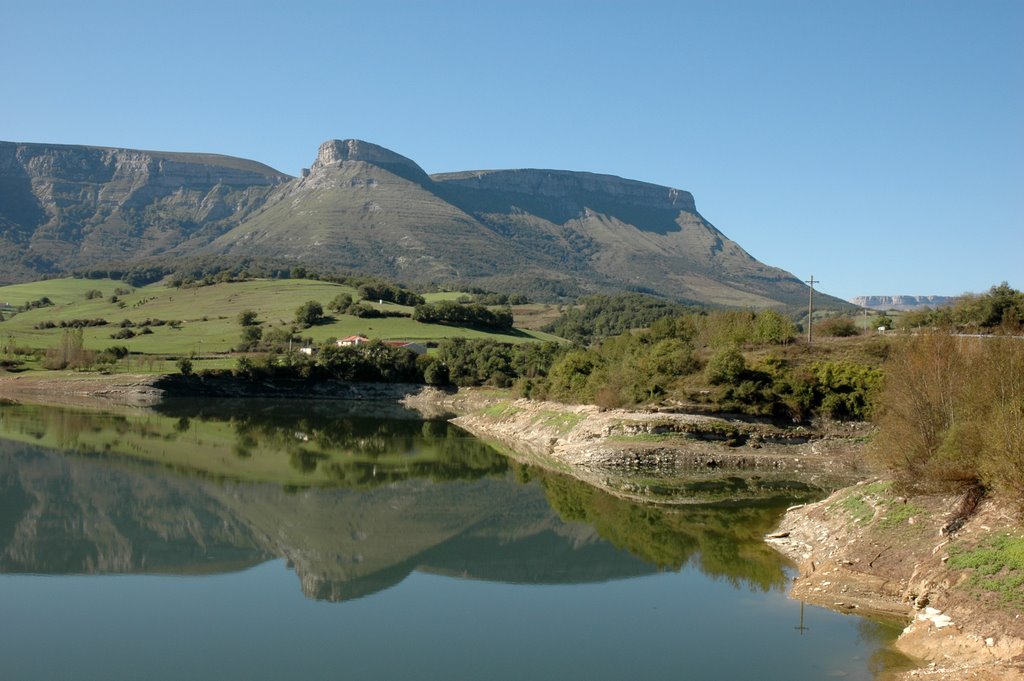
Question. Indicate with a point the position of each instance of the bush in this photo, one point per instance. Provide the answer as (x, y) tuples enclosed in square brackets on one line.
[(846, 390), (836, 327), (340, 303), (726, 366), (184, 366), (952, 413)]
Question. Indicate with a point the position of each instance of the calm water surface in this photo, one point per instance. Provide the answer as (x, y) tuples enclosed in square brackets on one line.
[(262, 540)]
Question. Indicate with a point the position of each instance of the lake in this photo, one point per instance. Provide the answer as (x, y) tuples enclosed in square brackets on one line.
[(325, 540)]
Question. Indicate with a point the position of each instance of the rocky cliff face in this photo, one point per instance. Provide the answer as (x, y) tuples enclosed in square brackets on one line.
[(567, 185), (67, 206), (333, 152), (363, 208), (902, 302)]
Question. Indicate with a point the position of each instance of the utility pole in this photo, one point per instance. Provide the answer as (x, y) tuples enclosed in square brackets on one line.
[(810, 306)]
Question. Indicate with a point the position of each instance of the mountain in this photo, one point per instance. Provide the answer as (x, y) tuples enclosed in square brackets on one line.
[(63, 207), (364, 208), (902, 302)]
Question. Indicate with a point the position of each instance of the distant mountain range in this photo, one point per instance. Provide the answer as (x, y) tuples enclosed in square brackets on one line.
[(902, 302), (367, 209)]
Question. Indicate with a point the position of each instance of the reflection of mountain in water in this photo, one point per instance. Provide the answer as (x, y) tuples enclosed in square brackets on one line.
[(65, 515), (71, 515), (378, 499)]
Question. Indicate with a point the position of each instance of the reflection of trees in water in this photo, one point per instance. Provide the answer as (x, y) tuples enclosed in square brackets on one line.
[(721, 540), (327, 437)]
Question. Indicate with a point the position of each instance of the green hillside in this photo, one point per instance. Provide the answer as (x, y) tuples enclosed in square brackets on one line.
[(208, 315)]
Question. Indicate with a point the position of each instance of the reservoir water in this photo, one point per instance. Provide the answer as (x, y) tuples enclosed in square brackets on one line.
[(325, 540)]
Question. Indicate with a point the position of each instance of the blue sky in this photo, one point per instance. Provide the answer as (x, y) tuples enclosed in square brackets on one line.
[(876, 145)]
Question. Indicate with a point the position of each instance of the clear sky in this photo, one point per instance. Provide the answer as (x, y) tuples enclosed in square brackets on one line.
[(878, 145)]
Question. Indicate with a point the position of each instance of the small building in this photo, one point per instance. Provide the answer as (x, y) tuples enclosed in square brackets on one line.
[(352, 340), (418, 348), (306, 351)]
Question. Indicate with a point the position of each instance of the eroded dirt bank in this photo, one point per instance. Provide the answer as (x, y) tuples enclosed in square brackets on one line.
[(642, 455), (866, 549)]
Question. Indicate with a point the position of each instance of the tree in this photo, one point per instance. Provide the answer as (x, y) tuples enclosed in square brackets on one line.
[(883, 320), (341, 302), (309, 314), (184, 366), (726, 366), (247, 318), (772, 327), (251, 336)]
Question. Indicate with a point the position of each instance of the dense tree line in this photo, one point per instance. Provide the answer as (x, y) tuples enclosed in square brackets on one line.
[(391, 293), (209, 270), (999, 308), (475, 315), (600, 316)]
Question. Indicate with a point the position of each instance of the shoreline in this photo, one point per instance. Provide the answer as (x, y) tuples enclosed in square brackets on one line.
[(850, 555), (867, 550)]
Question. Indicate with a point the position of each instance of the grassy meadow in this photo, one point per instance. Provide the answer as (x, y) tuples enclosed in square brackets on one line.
[(208, 315)]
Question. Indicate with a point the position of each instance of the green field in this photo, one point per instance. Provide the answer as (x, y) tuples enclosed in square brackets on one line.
[(208, 315)]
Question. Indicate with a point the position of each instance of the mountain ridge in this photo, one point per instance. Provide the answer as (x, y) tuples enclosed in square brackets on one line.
[(365, 208)]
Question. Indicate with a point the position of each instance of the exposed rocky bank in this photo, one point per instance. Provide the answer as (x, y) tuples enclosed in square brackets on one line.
[(867, 550)]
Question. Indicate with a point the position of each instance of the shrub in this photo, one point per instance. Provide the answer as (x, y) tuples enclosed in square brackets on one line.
[(847, 390), (773, 328), (836, 327), (184, 366), (952, 413), (725, 366)]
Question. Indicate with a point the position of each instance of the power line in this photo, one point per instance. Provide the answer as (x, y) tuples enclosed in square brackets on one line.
[(810, 306)]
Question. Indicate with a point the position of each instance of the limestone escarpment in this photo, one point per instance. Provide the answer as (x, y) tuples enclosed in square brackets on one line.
[(361, 208), (67, 206), (902, 302)]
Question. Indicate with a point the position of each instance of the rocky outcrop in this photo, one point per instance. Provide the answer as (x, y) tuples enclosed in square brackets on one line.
[(901, 302), (333, 152), (563, 184), (65, 206)]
